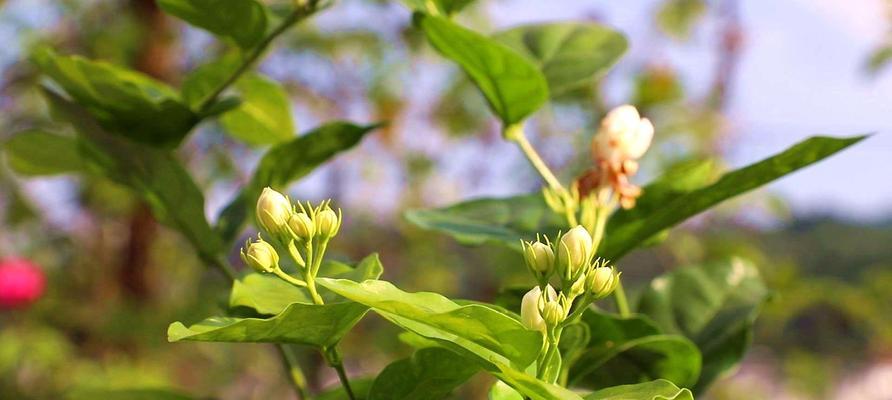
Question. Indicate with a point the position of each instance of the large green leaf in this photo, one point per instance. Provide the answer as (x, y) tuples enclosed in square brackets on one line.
[(123, 101), (655, 390), (631, 350), (153, 174), (269, 295), (496, 341), (622, 239), (243, 21), (39, 153), (264, 115), (570, 55), (429, 374), (503, 221), (512, 85), (310, 324), (288, 162), (715, 305)]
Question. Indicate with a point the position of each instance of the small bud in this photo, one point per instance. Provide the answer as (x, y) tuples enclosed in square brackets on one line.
[(539, 258), (553, 312), (578, 287), (302, 227), (273, 211), (260, 255), (575, 252), (602, 281), (529, 310), (327, 223)]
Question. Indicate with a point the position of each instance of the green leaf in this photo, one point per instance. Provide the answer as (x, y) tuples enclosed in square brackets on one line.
[(125, 394), (501, 391), (495, 340), (655, 390), (310, 324), (268, 294), (437, 7), (630, 350), (622, 239), (677, 17), (153, 174), (715, 305), (288, 162), (512, 85), (431, 373), (122, 101), (570, 55), (243, 21), (264, 115), (504, 221), (38, 153)]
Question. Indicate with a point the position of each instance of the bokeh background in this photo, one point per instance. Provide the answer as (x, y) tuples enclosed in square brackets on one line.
[(737, 80)]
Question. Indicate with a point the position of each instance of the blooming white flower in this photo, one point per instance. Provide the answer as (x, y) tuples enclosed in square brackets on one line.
[(623, 135), (273, 211)]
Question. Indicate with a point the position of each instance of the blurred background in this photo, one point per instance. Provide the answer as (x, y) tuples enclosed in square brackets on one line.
[(738, 80)]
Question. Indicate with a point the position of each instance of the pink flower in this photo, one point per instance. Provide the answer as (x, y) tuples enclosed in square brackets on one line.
[(21, 283)]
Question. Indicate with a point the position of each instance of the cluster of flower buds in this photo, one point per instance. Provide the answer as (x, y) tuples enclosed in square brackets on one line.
[(621, 140), (571, 257), (286, 224), (541, 310)]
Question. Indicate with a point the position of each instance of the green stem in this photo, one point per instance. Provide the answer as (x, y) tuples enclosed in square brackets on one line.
[(622, 305), (298, 14), (292, 368), (333, 356), (515, 134), (288, 278)]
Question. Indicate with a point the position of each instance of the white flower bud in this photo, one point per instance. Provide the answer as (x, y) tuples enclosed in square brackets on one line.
[(273, 211), (602, 281), (539, 257), (327, 223), (302, 227), (529, 310), (553, 312), (623, 135), (575, 252), (260, 256)]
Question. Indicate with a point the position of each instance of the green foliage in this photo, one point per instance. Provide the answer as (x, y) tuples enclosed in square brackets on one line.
[(437, 7), (123, 101), (269, 295), (654, 390), (622, 239), (513, 86), (715, 305), (38, 153), (126, 394), (570, 55), (264, 114), (243, 21), (202, 83), (677, 18), (287, 162), (430, 373), (154, 174), (625, 350)]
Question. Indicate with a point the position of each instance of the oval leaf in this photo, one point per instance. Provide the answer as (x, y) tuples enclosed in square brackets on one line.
[(264, 115), (511, 84), (714, 305), (38, 153), (570, 55), (243, 21), (431, 373), (655, 390)]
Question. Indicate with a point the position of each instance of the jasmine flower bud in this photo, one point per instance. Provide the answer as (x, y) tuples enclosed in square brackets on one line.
[(260, 255), (273, 211), (539, 258), (575, 252), (302, 226), (602, 281), (327, 223)]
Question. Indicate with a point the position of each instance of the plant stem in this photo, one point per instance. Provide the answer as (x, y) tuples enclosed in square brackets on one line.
[(288, 278), (515, 134), (619, 294), (298, 381), (334, 356), (295, 16)]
